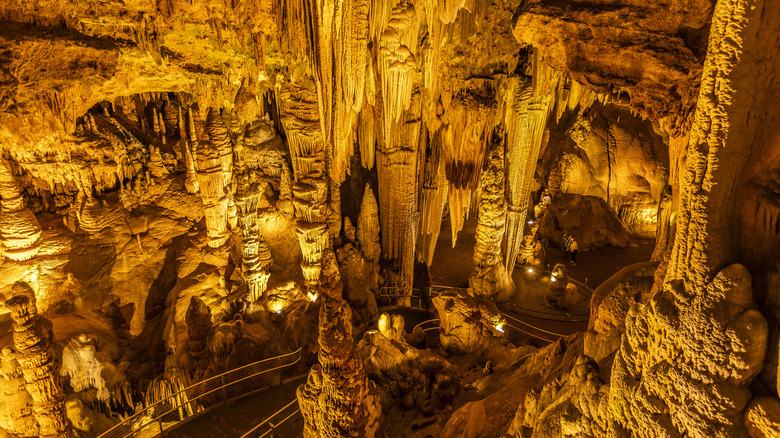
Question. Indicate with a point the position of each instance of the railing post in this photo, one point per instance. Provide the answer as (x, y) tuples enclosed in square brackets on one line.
[(159, 423), (224, 393)]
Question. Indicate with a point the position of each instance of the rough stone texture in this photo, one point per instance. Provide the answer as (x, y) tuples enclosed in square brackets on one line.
[(762, 417), (337, 400), (32, 338), (609, 305), (683, 369), (661, 47), (469, 325), (592, 222)]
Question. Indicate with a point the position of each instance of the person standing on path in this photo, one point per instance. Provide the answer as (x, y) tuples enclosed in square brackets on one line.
[(573, 250), (566, 243)]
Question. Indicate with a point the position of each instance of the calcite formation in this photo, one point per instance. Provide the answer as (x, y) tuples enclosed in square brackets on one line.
[(17, 411), (469, 325), (182, 181), (300, 119), (490, 276), (32, 338), (19, 228), (337, 399)]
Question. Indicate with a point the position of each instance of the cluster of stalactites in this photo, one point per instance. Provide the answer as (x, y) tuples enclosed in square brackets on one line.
[(36, 358), (397, 67), (256, 254), (299, 117), (397, 170), (213, 150), (470, 120), (526, 105), (19, 228), (433, 198)]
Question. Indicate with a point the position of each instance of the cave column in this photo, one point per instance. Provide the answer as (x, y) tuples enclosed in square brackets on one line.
[(32, 339)]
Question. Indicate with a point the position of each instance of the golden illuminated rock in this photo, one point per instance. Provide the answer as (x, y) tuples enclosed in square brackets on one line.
[(32, 338)]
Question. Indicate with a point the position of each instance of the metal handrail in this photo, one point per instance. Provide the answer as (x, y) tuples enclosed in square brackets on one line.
[(226, 379), (254, 429), (531, 326), (426, 322)]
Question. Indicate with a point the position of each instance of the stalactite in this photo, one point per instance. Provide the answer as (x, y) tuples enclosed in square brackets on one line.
[(397, 66), (433, 197), (212, 192), (19, 228), (490, 276), (469, 124), (398, 175), (32, 339), (218, 134), (299, 116), (367, 136), (526, 107)]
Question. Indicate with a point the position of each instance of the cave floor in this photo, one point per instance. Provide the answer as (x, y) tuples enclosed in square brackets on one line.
[(237, 417), (452, 265)]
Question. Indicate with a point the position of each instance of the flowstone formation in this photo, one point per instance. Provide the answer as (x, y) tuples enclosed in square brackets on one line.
[(32, 338)]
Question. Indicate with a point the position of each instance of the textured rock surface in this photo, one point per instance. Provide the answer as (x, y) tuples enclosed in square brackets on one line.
[(469, 325), (588, 218), (337, 400), (32, 338)]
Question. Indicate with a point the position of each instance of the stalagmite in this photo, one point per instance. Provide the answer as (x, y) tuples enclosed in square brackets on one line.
[(32, 339), (299, 115), (469, 124), (17, 403), (19, 228), (490, 276), (367, 233), (337, 400)]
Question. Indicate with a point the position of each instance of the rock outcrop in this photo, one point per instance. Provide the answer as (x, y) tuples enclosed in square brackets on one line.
[(469, 325), (32, 338)]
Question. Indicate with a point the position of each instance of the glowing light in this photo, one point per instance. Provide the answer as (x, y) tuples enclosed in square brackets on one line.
[(530, 270), (276, 306), (384, 323), (500, 327), (552, 279), (312, 296), (530, 222)]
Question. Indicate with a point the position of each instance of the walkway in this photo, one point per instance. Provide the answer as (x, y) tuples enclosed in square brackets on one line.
[(236, 417)]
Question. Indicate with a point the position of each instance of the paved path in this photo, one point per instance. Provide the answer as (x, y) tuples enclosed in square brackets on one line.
[(237, 417)]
